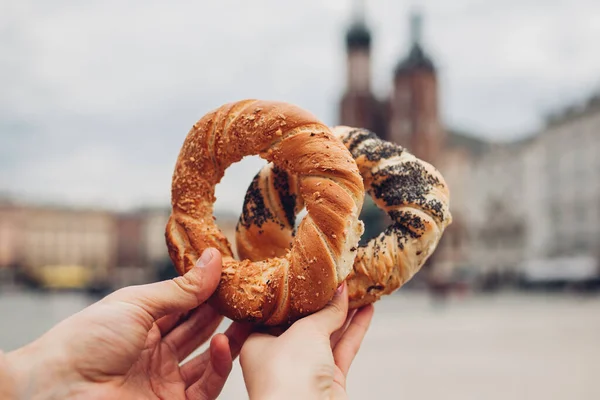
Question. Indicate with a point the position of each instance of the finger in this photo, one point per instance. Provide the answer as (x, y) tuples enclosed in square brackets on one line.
[(349, 344), (193, 370), (220, 355), (194, 331), (338, 334), (219, 364), (176, 295), (332, 317), (236, 334), (168, 322)]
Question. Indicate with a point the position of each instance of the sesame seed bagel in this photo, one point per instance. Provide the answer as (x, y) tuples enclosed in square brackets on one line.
[(276, 290)]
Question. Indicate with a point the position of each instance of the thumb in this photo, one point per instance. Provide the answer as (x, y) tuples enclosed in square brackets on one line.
[(179, 294), (332, 317)]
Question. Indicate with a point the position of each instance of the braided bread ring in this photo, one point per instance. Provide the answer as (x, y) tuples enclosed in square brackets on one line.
[(277, 290), (411, 191)]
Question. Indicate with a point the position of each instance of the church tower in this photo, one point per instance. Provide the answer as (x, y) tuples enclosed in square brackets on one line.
[(358, 107), (414, 118)]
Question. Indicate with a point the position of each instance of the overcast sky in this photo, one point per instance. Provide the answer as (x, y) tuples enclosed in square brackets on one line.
[(96, 97)]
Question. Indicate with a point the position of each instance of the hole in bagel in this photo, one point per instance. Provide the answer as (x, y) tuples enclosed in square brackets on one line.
[(230, 192), (375, 220), (299, 217), (375, 288)]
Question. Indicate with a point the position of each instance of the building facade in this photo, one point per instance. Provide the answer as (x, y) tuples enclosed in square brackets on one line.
[(498, 223), (56, 237), (569, 152), (541, 200), (154, 221), (10, 233), (74, 247)]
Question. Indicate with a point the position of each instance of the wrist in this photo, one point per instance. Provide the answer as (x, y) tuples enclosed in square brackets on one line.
[(8, 389), (35, 371), (277, 389), (20, 367), (284, 394)]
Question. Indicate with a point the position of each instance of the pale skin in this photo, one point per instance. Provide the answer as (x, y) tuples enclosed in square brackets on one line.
[(311, 359), (131, 345)]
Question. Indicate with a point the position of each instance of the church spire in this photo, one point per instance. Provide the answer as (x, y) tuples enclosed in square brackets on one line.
[(416, 22), (416, 59), (358, 35), (358, 11)]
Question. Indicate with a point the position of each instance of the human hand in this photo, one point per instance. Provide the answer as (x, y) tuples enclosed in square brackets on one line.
[(129, 345), (311, 359)]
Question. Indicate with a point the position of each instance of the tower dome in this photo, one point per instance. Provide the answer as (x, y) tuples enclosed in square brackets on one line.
[(416, 59), (358, 36)]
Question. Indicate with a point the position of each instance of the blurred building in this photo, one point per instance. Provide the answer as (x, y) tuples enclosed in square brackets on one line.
[(63, 247), (10, 233), (548, 190), (568, 152), (498, 209), (411, 118), (66, 247), (130, 249), (534, 201), (60, 246), (153, 235), (10, 237), (458, 163), (131, 266)]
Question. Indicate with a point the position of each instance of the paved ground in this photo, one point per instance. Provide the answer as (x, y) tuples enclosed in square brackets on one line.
[(499, 347)]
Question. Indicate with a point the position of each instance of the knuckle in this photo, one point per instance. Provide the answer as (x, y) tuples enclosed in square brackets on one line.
[(349, 347), (323, 374), (188, 287), (336, 308), (306, 325)]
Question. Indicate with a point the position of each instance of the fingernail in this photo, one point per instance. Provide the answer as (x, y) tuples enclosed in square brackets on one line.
[(205, 258), (340, 288)]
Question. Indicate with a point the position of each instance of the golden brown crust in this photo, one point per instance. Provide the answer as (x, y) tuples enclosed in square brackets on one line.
[(280, 288), (411, 191)]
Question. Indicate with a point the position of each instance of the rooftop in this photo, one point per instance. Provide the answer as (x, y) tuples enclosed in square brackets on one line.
[(473, 144), (573, 111)]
